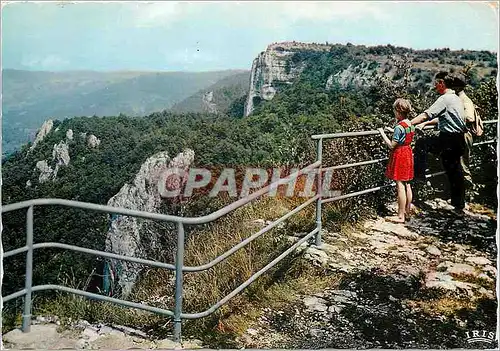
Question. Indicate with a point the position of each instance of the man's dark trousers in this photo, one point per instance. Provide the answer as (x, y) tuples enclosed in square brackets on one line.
[(450, 146), (453, 148), (423, 146)]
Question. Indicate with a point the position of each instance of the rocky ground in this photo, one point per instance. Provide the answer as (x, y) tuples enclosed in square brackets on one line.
[(46, 333), (424, 284)]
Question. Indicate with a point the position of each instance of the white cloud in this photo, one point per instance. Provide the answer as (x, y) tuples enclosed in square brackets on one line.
[(151, 14), (270, 14)]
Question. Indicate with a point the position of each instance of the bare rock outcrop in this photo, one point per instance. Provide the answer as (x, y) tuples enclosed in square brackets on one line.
[(46, 172), (46, 333), (270, 69), (125, 234), (208, 102), (42, 133), (60, 154), (93, 141), (61, 158)]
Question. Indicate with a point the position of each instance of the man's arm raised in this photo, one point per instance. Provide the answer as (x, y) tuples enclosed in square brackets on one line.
[(427, 123), (420, 118), (432, 112)]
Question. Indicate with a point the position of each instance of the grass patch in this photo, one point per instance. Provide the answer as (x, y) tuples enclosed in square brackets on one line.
[(467, 278), (442, 306), (480, 209), (71, 308)]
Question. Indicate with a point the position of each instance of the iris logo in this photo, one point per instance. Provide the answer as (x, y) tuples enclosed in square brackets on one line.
[(480, 336)]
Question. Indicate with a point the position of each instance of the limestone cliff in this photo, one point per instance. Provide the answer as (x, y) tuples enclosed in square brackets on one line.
[(277, 66), (208, 102), (46, 171), (42, 133), (126, 234), (93, 141), (60, 158), (269, 69), (60, 154), (281, 64)]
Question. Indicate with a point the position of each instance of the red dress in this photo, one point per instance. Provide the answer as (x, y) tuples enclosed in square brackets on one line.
[(400, 165)]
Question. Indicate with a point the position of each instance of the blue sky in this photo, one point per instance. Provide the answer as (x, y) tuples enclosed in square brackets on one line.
[(202, 36)]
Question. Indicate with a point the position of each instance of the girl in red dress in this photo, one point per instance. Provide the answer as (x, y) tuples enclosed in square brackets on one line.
[(400, 165)]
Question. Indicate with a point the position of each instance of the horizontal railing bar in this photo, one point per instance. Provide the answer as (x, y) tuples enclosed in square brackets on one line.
[(249, 280), (156, 216), (345, 134), (485, 142), (434, 174), (249, 239), (15, 252), (213, 216), (104, 254), (341, 197), (371, 190), (348, 165), (370, 132), (14, 295), (89, 206), (93, 296)]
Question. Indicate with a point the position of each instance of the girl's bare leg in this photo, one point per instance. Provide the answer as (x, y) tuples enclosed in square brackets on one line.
[(409, 198), (401, 191)]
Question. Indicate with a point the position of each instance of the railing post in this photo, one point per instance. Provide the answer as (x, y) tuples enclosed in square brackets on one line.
[(179, 263), (319, 156), (29, 271)]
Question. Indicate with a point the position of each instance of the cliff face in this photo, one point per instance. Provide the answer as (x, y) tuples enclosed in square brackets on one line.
[(130, 236), (208, 102), (355, 66), (270, 69), (277, 66), (42, 133)]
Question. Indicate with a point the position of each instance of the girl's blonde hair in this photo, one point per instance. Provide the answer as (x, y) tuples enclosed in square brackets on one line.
[(403, 107)]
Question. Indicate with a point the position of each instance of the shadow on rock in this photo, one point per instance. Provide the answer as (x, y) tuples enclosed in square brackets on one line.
[(473, 229), (368, 310)]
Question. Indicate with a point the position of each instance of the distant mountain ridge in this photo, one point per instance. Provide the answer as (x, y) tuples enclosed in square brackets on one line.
[(31, 97)]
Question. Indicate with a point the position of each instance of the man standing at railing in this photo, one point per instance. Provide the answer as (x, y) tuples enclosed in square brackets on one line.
[(459, 84), (449, 143)]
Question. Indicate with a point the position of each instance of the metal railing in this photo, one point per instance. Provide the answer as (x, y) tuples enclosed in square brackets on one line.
[(178, 265)]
